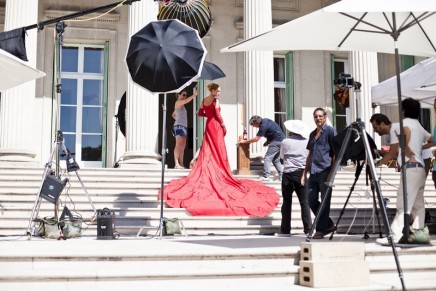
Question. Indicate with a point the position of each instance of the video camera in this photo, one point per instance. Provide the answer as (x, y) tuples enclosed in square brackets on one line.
[(344, 80)]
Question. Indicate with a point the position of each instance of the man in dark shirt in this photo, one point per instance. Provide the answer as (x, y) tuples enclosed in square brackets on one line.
[(274, 136), (318, 164)]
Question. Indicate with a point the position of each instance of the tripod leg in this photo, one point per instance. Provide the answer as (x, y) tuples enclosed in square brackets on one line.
[(358, 171), (164, 148), (329, 182), (36, 206), (370, 162), (31, 225), (86, 192), (69, 156), (377, 214)]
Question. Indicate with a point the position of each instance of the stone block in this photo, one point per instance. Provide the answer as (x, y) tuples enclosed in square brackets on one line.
[(334, 273), (320, 251)]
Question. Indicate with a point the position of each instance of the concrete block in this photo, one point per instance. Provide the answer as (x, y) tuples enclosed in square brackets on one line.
[(334, 273), (320, 251)]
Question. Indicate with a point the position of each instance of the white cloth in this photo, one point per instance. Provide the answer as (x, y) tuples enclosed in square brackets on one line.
[(427, 153), (294, 153), (418, 136)]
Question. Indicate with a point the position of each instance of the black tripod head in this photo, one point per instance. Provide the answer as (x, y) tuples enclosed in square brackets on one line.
[(72, 165), (355, 149), (59, 136)]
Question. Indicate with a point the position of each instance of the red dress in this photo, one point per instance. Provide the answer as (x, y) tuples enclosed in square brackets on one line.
[(211, 189)]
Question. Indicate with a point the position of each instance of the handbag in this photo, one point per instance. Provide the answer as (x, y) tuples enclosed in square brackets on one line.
[(50, 227), (72, 226), (419, 236), (172, 226)]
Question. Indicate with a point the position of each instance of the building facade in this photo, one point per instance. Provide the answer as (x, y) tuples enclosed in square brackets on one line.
[(86, 77)]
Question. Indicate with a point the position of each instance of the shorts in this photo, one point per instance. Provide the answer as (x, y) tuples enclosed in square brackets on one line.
[(180, 131)]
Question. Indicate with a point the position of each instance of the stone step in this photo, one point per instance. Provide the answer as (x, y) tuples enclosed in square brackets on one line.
[(254, 262)]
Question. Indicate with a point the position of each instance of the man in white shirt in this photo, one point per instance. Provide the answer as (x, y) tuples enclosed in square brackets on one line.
[(415, 137)]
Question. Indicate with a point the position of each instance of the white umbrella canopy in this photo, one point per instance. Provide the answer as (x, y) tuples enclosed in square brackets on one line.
[(329, 29), (385, 26), (15, 71), (417, 82)]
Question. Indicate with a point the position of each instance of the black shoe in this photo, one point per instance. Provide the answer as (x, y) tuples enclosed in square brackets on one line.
[(330, 229), (318, 235)]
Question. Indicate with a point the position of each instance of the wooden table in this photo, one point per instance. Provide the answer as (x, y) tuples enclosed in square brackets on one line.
[(244, 159)]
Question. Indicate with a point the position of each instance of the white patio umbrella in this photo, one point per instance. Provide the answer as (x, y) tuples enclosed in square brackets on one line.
[(15, 71), (385, 26), (417, 82), (336, 27)]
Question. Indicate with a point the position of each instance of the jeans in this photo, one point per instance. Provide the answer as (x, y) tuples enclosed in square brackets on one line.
[(292, 182), (272, 156), (316, 184)]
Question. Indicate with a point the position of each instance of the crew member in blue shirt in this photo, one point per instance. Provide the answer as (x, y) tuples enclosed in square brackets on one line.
[(274, 136), (319, 162)]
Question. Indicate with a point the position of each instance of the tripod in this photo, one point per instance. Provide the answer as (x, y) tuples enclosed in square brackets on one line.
[(71, 166), (359, 128), (357, 174)]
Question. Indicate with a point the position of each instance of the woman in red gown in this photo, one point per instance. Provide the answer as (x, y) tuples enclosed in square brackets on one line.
[(210, 188)]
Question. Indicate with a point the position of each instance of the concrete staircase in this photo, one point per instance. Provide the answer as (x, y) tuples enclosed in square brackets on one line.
[(133, 196), (221, 253)]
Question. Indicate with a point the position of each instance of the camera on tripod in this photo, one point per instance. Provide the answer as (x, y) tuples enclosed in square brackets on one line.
[(344, 80)]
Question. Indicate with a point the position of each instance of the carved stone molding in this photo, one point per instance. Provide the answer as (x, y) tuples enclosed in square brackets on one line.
[(289, 5)]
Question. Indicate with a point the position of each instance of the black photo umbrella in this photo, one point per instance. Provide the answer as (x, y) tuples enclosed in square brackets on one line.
[(165, 56), (211, 71), (14, 42), (194, 13)]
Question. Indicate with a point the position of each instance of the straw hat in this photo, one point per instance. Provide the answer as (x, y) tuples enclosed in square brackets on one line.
[(298, 127)]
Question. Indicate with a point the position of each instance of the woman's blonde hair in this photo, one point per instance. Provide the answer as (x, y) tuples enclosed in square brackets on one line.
[(213, 86)]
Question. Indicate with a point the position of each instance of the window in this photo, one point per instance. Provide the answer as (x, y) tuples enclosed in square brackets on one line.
[(283, 93), (82, 102)]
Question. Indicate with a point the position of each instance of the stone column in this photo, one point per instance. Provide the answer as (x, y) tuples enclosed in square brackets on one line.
[(258, 73), (142, 107), (17, 104), (364, 69)]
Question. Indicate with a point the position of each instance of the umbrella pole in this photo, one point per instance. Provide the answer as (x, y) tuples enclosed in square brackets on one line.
[(164, 145), (42, 24), (402, 141)]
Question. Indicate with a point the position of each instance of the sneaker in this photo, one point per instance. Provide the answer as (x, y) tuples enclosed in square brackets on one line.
[(179, 167), (281, 234), (263, 178), (383, 241)]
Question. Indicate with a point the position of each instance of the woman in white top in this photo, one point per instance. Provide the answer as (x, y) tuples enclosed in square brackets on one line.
[(180, 127)]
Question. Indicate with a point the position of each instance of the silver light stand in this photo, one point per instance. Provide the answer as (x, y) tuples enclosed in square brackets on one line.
[(163, 161), (59, 143)]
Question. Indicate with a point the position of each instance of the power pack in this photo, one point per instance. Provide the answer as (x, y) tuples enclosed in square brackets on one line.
[(105, 224), (52, 188)]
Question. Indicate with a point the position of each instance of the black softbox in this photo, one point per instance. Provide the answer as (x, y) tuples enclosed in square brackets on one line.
[(13, 41), (355, 149)]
